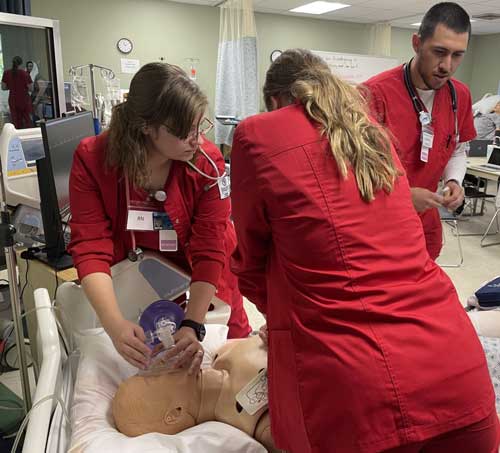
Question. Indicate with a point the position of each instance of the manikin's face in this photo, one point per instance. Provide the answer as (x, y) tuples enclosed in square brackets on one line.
[(171, 147), (497, 108), (29, 67), (438, 57)]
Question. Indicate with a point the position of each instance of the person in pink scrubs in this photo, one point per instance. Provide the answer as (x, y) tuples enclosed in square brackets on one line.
[(369, 347)]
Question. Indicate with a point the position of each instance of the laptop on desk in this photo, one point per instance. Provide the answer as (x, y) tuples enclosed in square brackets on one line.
[(478, 148), (493, 161)]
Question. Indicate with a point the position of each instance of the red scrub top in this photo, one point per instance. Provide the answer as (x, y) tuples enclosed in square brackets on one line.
[(369, 347), (391, 105), (19, 99), (205, 233)]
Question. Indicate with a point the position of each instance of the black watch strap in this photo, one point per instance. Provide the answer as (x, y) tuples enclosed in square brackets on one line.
[(198, 328)]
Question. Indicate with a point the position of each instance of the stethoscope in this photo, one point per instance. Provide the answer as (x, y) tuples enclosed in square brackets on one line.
[(136, 253), (424, 116)]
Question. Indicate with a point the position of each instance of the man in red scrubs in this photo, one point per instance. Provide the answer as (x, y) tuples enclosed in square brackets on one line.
[(430, 115)]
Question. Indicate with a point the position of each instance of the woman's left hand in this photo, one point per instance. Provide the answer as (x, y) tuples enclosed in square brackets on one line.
[(189, 350)]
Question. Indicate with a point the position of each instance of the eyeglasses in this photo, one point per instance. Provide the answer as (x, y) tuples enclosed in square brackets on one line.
[(203, 128)]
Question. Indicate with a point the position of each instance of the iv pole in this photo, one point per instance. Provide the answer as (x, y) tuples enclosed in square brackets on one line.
[(7, 232), (106, 73)]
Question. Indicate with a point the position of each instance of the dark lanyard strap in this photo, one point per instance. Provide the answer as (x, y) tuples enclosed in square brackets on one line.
[(418, 104)]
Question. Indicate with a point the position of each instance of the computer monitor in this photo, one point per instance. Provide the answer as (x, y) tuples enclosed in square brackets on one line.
[(60, 140), (494, 157)]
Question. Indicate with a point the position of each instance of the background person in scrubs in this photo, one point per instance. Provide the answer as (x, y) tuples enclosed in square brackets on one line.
[(439, 46)]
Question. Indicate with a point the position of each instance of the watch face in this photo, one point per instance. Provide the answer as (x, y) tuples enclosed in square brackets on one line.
[(275, 54), (202, 332), (124, 45)]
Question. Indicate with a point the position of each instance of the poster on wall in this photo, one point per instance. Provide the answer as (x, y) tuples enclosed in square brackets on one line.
[(130, 65)]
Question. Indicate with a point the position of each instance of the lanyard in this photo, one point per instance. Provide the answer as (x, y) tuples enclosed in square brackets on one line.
[(127, 196), (418, 104), (216, 178)]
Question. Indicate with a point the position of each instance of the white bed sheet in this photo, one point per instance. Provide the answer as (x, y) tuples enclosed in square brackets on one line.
[(101, 370)]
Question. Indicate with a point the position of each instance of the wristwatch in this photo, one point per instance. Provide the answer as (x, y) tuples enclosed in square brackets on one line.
[(199, 329)]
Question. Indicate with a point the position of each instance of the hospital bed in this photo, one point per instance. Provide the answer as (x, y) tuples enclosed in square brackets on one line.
[(79, 374)]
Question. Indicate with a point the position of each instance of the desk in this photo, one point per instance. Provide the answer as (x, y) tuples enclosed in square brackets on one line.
[(473, 168), (39, 275)]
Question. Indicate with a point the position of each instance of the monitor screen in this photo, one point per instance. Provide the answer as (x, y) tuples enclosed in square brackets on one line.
[(63, 136), (60, 140), (495, 157)]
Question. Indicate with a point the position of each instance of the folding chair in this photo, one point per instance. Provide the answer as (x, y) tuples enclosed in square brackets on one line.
[(449, 218), (494, 219)]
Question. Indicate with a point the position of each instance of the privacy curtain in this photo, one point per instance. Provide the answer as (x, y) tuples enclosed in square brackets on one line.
[(236, 87), (380, 39), (16, 7)]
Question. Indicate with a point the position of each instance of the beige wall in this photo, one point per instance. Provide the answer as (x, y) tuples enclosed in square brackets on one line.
[(485, 73), (90, 30), (160, 28)]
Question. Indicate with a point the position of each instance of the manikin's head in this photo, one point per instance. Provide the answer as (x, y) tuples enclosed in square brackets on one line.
[(172, 402), (440, 45)]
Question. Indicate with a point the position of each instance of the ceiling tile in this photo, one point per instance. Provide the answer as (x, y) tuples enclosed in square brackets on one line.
[(400, 13)]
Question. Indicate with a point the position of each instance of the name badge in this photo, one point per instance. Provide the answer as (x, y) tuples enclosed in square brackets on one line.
[(139, 220), (161, 221), (168, 241), (224, 184), (424, 154), (427, 140)]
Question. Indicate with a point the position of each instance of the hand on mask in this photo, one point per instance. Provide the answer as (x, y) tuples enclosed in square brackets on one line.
[(188, 349), (128, 339)]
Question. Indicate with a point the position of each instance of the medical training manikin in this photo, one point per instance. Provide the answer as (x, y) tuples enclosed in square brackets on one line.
[(172, 402)]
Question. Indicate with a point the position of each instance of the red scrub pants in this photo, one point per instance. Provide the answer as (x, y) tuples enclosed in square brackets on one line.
[(480, 437)]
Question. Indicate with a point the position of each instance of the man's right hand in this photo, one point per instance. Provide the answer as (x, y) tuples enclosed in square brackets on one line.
[(424, 199), (129, 339)]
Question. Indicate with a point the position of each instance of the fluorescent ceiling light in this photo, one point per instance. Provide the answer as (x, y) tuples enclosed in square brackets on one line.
[(319, 7)]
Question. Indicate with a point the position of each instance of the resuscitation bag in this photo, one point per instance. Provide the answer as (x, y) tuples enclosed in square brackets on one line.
[(160, 320)]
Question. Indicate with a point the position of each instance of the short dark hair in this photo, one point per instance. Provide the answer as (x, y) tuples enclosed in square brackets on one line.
[(449, 14)]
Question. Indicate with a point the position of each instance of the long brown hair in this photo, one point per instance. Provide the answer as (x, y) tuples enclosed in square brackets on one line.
[(160, 94), (340, 111)]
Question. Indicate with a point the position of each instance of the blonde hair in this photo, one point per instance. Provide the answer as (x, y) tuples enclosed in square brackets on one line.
[(340, 111), (160, 94)]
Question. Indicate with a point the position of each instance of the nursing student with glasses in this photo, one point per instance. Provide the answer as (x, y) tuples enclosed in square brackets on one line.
[(155, 154)]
